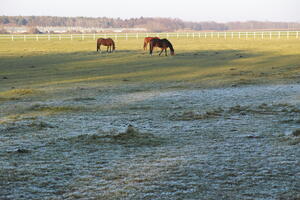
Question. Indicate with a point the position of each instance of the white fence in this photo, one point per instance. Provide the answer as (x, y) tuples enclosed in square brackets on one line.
[(206, 35)]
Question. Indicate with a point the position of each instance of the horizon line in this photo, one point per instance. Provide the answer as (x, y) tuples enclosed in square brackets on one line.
[(157, 17)]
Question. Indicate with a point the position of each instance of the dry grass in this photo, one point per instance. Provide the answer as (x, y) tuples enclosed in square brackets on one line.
[(16, 94)]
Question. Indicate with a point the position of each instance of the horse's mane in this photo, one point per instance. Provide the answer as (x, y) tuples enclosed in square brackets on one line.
[(169, 44)]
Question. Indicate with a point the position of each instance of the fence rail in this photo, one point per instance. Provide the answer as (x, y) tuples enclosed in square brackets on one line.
[(126, 36)]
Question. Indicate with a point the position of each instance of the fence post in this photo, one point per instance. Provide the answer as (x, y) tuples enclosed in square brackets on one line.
[(71, 37), (262, 35), (254, 35), (48, 37), (205, 35), (239, 35), (246, 35), (12, 37), (288, 35), (94, 36), (116, 37), (126, 36), (177, 35), (231, 35), (59, 37), (24, 37), (270, 35), (297, 35), (37, 38), (225, 35)]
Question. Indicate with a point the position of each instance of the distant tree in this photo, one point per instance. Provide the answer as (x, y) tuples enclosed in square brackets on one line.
[(152, 24), (21, 21), (4, 20)]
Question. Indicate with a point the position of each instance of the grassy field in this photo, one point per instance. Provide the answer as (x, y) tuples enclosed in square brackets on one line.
[(66, 111), (36, 68)]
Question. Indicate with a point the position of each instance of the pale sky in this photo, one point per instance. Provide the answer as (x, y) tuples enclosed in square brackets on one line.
[(188, 10)]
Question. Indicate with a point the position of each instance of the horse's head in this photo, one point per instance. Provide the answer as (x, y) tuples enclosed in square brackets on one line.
[(172, 51)]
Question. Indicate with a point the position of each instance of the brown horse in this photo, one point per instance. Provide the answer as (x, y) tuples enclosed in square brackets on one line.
[(147, 40), (106, 42), (163, 44)]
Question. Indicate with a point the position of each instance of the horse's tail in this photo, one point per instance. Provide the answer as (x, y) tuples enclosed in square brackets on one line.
[(151, 47), (98, 43), (171, 49), (113, 45), (145, 44)]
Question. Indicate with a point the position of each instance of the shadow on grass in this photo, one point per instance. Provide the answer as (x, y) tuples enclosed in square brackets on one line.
[(129, 65)]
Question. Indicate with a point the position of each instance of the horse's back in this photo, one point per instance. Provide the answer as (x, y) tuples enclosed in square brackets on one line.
[(165, 40), (155, 40), (105, 41), (148, 39)]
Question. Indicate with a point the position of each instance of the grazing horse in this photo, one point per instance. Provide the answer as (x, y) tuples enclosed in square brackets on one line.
[(163, 44), (147, 40), (106, 42)]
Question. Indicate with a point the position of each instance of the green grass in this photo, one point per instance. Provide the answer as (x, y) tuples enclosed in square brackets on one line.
[(55, 71), (57, 65)]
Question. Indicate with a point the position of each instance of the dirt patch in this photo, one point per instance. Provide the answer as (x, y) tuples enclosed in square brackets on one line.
[(131, 137), (79, 99), (55, 109), (26, 126), (191, 115), (263, 109)]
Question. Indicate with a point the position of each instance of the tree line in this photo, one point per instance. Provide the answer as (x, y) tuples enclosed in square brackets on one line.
[(151, 24)]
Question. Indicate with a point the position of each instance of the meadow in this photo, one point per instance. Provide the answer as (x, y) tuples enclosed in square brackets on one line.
[(198, 63), (219, 120), (56, 69)]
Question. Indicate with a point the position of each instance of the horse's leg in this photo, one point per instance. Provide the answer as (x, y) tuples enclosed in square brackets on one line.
[(100, 48), (161, 52), (107, 49), (166, 51), (151, 49)]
